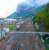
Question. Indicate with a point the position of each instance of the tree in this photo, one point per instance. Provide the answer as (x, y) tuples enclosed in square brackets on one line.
[(47, 9), (43, 17)]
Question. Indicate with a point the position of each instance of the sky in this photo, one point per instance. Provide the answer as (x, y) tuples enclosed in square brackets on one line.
[(7, 7)]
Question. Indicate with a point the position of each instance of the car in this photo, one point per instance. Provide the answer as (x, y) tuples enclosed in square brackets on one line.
[(18, 25), (21, 22)]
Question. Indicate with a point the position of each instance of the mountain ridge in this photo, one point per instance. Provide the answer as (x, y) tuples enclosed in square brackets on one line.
[(31, 11)]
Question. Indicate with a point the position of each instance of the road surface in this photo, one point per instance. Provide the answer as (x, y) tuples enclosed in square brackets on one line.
[(22, 42), (27, 26)]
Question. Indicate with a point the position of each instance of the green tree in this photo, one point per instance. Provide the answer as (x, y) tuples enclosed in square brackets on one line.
[(43, 17)]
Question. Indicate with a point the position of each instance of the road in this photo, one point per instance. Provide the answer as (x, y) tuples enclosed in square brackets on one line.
[(27, 26), (22, 41)]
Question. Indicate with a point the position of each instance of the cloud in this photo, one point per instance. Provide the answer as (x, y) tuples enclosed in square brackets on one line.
[(41, 2), (37, 2), (7, 7)]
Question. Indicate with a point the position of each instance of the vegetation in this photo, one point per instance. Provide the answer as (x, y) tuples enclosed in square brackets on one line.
[(45, 37), (42, 17), (12, 27)]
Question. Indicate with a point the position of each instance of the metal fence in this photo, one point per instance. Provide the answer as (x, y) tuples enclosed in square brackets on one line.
[(21, 36)]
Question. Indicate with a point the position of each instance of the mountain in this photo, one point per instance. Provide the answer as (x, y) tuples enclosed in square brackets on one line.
[(25, 10), (13, 15)]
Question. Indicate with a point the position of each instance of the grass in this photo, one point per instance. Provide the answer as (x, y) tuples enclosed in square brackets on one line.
[(47, 42), (47, 48), (12, 27)]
